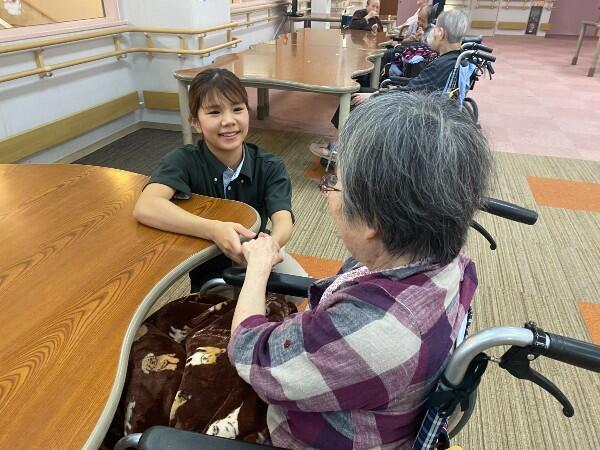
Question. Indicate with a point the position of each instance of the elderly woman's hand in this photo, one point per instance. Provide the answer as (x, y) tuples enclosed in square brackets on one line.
[(360, 98), (262, 253)]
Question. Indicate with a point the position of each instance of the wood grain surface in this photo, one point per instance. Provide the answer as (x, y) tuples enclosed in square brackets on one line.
[(310, 59), (74, 268)]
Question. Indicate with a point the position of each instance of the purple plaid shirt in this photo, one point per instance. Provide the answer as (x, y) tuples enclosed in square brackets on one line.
[(353, 372)]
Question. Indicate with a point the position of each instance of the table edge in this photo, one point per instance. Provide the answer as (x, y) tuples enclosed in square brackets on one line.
[(104, 420)]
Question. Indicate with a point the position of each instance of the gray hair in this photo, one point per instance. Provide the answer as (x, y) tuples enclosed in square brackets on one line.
[(414, 168), (455, 22)]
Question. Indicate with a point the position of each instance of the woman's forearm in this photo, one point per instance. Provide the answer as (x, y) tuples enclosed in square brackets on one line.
[(251, 300), (281, 227), (163, 214)]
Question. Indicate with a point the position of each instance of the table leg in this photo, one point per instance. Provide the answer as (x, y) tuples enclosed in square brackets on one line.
[(376, 72), (594, 60), (184, 111), (344, 109), (262, 110), (579, 43)]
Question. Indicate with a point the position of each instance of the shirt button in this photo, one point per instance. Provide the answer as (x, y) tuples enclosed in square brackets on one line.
[(215, 180), (229, 188), (241, 181)]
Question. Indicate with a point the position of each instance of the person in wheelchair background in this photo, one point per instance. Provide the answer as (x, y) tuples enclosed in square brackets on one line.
[(354, 370), (446, 39)]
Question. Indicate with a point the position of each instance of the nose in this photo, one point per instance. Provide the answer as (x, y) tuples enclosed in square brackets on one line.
[(227, 117)]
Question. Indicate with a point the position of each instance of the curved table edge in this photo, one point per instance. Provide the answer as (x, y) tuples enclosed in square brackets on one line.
[(98, 433)]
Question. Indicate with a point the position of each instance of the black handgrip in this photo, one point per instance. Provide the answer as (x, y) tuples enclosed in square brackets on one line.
[(485, 56), (572, 351), (476, 39), (277, 283), (476, 46), (509, 211)]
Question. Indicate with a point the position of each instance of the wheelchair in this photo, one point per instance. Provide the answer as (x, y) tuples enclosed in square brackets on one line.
[(451, 404), (474, 62)]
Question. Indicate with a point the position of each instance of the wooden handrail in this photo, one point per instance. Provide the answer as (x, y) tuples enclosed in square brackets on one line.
[(111, 32), (48, 69)]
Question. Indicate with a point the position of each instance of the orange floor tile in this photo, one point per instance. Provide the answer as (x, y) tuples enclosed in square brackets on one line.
[(318, 267), (565, 194), (315, 171), (591, 316)]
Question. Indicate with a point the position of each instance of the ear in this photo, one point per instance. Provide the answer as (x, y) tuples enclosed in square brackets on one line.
[(370, 233), (195, 123)]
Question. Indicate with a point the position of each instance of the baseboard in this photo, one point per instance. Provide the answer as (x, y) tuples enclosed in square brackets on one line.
[(27, 143), (101, 143)]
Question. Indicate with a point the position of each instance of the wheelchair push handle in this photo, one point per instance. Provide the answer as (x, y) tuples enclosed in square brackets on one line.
[(476, 46), (509, 211), (484, 56), (574, 352)]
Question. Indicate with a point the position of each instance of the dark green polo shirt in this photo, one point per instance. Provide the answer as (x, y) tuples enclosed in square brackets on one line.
[(263, 182)]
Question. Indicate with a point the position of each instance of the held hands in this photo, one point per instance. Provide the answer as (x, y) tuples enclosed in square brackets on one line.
[(375, 28), (227, 237), (262, 253), (359, 98)]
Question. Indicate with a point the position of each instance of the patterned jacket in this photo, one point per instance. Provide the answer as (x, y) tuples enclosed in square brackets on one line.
[(353, 372)]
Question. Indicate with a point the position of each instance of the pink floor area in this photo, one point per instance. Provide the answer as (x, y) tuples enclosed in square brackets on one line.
[(537, 103)]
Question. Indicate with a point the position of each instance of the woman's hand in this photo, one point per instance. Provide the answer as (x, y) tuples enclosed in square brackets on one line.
[(262, 253), (360, 98), (375, 28), (226, 235)]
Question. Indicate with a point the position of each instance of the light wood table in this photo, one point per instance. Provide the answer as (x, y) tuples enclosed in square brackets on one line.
[(584, 25), (340, 39), (77, 276), (330, 19), (293, 62)]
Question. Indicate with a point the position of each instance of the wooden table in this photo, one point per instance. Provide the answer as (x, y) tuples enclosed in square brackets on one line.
[(77, 277), (584, 25), (295, 61), (328, 18)]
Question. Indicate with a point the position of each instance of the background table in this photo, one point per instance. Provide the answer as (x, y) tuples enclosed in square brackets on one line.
[(77, 277), (329, 18), (295, 61)]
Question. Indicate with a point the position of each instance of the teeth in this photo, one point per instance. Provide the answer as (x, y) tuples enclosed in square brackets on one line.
[(229, 134)]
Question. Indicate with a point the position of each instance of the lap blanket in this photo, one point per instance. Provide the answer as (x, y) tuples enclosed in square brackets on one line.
[(179, 374)]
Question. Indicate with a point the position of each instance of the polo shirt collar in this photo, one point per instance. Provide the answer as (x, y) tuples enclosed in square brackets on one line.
[(216, 167)]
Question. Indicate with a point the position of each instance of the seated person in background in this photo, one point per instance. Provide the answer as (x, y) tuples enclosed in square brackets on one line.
[(355, 369), (368, 18), (445, 38), (221, 165), (410, 25), (422, 27)]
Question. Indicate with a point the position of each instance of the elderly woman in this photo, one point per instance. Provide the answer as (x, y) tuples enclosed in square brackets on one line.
[(354, 370)]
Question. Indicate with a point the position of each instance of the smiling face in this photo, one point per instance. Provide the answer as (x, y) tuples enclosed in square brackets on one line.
[(223, 123)]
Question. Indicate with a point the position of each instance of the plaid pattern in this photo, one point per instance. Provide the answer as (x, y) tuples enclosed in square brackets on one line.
[(354, 370), (435, 425)]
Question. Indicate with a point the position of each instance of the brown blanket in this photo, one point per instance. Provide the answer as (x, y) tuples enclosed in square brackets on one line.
[(179, 374)]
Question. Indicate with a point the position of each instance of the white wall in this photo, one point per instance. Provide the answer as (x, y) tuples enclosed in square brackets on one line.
[(30, 102)]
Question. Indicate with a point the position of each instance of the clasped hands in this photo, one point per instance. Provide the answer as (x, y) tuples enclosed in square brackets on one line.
[(263, 251)]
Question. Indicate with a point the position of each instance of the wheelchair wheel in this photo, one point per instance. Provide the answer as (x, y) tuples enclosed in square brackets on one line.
[(472, 108)]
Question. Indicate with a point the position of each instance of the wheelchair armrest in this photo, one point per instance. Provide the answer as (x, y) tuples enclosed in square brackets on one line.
[(278, 283), (476, 39), (159, 438)]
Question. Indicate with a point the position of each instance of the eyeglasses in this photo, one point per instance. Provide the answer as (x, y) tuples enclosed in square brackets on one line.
[(328, 183)]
